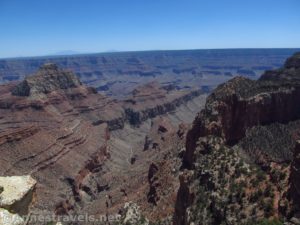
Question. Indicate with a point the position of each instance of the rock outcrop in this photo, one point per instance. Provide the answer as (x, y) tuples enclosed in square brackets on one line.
[(49, 78), (242, 103), (17, 193), (231, 111), (15, 199), (153, 183), (7, 218)]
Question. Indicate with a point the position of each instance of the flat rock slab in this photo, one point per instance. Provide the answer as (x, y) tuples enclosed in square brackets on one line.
[(15, 189), (7, 218)]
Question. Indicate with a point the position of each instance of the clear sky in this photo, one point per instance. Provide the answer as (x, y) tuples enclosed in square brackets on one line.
[(42, 27)]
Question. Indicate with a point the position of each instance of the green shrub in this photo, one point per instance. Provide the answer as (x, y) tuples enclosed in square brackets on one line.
[(269, 191), (268, 207), (256, 196), (260, 176)]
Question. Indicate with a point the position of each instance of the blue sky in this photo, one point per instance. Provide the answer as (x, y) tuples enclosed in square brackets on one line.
[(42, 27)]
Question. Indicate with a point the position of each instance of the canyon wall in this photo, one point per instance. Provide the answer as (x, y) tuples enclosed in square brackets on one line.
[(59, 131), (231, 111), (117, 74)]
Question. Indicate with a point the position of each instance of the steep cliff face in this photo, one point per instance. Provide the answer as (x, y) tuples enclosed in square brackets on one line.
[(241, 103), (151, 100), (236, 112)]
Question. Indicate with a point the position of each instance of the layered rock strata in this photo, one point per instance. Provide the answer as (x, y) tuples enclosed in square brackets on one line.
[(228, 127)]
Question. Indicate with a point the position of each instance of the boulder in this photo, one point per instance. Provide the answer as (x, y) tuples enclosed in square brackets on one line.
[(7, 218), (17, 193)]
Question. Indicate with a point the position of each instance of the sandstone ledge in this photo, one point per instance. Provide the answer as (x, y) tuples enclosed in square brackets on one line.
[(17, 194)]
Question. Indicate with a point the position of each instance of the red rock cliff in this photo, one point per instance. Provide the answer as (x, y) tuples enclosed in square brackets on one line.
[(235, 107)]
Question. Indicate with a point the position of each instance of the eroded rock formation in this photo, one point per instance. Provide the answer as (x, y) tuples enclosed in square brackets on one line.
[(49, 78), (151, 100), (59, 131), (236, 111)]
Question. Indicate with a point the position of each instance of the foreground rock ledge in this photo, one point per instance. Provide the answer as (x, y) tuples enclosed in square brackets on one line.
[(17, 193), (7, 218)]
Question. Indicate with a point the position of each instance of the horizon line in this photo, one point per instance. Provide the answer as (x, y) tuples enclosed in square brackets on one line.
[(138, 51)]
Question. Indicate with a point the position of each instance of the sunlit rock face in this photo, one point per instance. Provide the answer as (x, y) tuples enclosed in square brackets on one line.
[(17, 193), (7, 218), (15, 198)]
